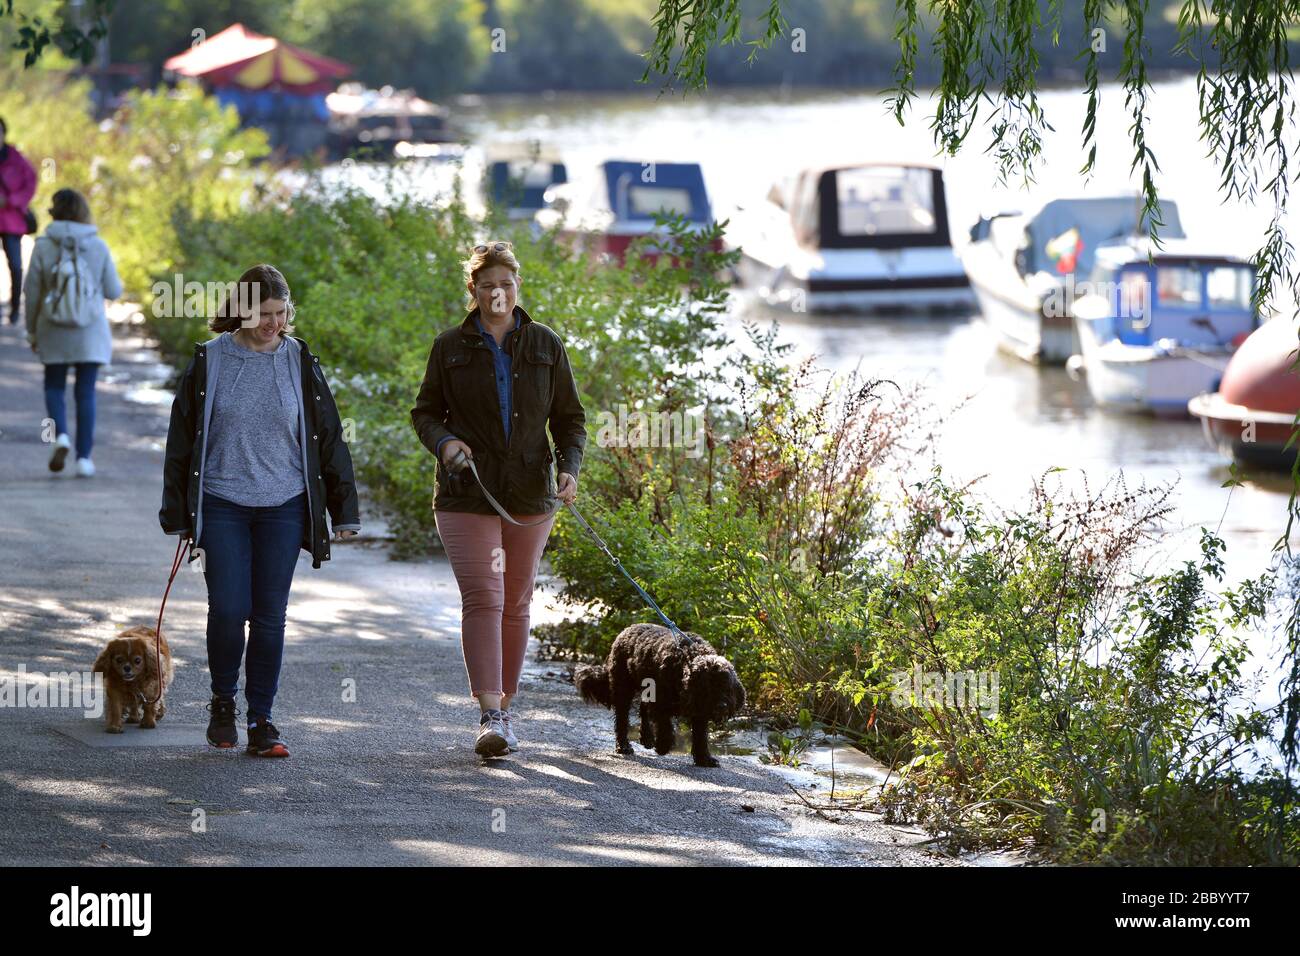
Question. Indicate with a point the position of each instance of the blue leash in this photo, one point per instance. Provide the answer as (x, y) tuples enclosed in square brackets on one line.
[(619, 564)]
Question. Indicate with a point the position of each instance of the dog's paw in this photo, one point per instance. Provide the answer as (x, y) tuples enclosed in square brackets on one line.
[(624, 751), (113, 730), (132, 718), (148, 724), (707, 762)]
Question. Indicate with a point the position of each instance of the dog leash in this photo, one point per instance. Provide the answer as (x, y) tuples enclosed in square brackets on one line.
[(460, 461), (157, 640), (619, 564)]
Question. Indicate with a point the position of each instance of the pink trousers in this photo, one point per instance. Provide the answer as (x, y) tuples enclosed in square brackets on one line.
[(495, 563)]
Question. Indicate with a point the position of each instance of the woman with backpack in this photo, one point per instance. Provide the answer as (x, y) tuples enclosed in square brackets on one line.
[(17, 186), (70, 275)]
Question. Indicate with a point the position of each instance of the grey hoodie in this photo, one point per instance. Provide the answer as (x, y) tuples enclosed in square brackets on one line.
[(57, 344)]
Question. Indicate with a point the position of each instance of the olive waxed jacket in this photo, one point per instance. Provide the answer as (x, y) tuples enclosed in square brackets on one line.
[(458, 399)]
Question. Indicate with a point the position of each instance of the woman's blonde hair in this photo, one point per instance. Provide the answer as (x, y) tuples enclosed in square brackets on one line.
[(255, 286), (486, 255)]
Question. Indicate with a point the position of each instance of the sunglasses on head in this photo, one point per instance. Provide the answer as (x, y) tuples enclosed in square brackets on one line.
[(495, 246)]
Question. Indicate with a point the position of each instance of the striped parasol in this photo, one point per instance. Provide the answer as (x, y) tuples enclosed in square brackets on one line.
[(239, 57)]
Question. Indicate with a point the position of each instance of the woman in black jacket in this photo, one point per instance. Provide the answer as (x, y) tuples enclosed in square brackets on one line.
[(255, 458), (491, 387)]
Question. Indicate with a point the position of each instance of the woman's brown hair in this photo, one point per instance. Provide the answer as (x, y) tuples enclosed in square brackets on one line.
[(485, 255), (255, 286), (68, 205)]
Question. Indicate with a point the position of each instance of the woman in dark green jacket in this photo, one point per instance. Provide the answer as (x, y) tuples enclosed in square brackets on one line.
[(491, 387)]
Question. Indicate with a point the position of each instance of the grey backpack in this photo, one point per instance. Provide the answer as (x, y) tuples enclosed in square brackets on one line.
[(70, 300)]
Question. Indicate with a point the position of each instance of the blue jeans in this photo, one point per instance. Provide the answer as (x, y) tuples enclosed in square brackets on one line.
[(249, 556), (56, 387), (13, 244)]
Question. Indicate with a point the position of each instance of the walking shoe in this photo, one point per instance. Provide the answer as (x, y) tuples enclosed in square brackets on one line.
[(61, 446), (508, 722), (85, 468), (491, 735), (221, 726), (264, 740)]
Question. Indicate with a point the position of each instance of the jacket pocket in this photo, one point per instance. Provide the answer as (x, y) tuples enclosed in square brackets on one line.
[(541, 362), (464, 390), (460, 486), (538, 478)]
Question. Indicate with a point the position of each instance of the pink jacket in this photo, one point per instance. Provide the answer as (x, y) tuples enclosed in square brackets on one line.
[(17, 185)]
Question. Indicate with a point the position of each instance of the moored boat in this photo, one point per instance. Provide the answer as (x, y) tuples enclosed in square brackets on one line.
[(1023, 268), (605, 218), (516, 178), (863, 237), (1252, 415), (1157, 326)]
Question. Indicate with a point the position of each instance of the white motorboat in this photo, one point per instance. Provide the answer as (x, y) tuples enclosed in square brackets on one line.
[(871, 236)]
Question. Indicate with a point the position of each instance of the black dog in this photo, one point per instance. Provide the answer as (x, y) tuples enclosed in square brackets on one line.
[(671, 676)]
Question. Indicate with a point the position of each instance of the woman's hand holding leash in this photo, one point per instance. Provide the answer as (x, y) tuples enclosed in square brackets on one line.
[(450, 449), (568, 490)]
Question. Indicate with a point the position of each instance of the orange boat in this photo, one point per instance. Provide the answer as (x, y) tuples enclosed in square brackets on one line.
[(1252, 415)]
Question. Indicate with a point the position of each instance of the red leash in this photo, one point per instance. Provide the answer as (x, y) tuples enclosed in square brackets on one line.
[(157, 643)]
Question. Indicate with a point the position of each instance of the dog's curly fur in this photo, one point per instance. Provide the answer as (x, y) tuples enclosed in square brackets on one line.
[(133, 676), (683, 677)]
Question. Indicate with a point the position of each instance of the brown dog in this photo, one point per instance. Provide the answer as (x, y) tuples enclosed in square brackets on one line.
[(133, 676)]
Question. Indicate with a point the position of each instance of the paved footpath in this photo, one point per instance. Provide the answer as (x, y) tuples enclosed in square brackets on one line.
[(388, 779)]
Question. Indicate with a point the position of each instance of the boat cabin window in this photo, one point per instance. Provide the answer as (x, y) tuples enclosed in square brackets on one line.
[(1229, 287), (644, 201), (884, 200), (1178, 286), (531, 175), (1134, 293)]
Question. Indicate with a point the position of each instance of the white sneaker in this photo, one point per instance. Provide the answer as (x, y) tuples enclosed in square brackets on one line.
[(61, 446), (85, 468), (491, 735), (508, 721)]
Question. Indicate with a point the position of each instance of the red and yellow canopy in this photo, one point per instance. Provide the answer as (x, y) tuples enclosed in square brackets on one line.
[(239, 57)]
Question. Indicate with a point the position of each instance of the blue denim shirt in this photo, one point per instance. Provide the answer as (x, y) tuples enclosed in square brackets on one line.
[(504, 364)]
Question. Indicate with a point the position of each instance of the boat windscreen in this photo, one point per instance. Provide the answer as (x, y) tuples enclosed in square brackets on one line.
[(882, 207), (639, 190), (883, 199), (1229, 287), (645, 201)]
